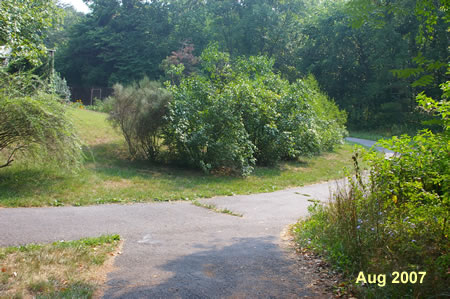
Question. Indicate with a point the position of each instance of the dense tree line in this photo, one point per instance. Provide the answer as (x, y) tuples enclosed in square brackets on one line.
[(351, 55)]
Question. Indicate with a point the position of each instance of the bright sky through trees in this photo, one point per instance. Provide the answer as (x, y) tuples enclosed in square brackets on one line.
[(79, 5)]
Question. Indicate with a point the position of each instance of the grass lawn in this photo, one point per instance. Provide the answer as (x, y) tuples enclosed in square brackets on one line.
[(110, 177), (73, 269)]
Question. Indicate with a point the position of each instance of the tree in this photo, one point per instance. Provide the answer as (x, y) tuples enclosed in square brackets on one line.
[(179, 63), (355, 64), (431, 38), (58, 37), (22, 27), (119, 41)]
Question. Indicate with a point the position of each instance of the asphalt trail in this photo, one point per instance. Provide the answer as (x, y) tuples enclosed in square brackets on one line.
[(178, 250)]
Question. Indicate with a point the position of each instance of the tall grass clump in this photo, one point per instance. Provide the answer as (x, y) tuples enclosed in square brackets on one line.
[(394, 218), (34, 126)]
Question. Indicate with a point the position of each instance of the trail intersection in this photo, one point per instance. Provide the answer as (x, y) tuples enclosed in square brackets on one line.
[(180, 250)]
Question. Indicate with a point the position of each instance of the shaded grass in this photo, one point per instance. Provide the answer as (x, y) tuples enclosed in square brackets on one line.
[(110, 177), (72, 269)]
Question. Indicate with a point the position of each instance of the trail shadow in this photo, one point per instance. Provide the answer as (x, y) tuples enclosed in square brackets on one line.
[(250, 268), (110, 160)]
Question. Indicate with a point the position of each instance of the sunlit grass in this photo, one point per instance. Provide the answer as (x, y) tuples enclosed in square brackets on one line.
[(72, 269), (110, 177)]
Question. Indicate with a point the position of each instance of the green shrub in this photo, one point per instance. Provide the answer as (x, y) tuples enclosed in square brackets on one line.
[(36, 126), (139, 110), (396, 219), (59, 87), (205, 131), (20, 83), (242, 113), (105, 106)]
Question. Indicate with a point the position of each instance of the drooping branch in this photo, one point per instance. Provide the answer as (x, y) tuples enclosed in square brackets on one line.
[(11, 156)]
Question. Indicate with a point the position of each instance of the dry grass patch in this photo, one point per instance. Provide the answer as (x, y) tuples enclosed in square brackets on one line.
[(73, 269)]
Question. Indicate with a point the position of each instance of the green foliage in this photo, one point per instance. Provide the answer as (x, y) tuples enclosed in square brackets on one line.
[(116, 43), (105, 106), (22, 23), (361, 67), (396, 219), (139, 110), (238, 114), (35, 126), (423, 25), (205, 131), (20, 83), (33, 123), (59, 87), (57, 37), (122, 43)]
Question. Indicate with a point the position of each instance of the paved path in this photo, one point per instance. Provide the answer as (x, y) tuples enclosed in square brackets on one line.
[(370, 143), (178, 250)]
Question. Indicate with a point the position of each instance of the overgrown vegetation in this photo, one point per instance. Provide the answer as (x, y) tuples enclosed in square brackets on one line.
[(105, 106), (64, 269), (21, 25), (233, 116), (59, 87), (396, 219), (109, 176), (33, 124)]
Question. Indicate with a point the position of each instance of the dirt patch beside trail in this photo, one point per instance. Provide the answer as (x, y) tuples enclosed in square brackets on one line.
[(324, 281)]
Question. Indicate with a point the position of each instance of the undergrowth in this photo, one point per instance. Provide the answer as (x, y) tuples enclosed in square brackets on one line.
[(392, 219)]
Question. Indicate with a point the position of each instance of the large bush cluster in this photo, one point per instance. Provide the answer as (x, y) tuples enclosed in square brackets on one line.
[(238, 114), (396, 219), (230, 117)]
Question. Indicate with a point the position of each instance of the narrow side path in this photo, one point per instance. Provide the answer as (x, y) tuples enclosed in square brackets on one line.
[(370, 143)]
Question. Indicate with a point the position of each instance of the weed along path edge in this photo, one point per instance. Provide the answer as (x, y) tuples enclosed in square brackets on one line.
[(181, 250)]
